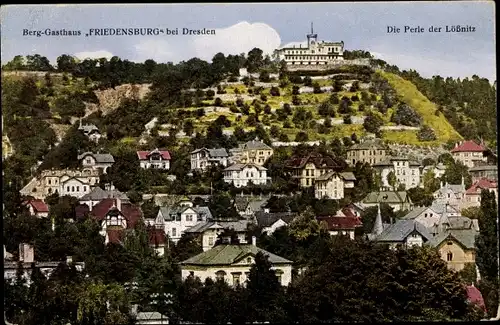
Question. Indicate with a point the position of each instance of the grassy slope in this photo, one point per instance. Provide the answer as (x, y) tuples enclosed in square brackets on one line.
[(409, 94)]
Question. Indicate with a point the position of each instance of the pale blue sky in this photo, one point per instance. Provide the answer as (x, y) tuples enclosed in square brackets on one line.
[(240, 27)]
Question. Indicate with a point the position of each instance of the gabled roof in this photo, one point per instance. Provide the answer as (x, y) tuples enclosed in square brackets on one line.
[(98, 194), (346, 176), (238, 226), (465, 237), (168, 211), (340, 223), (102, 158), (387, 197), (81, 210), (478, 168), (265, 219), (156, 236), (143, 155), (229, 254), (468, 146), (438, 208), (218, 152), (240, 167), (400, 230), (390, 162), (255, 145), (131, 212), (481, 184), (319, 161), (38, 205)]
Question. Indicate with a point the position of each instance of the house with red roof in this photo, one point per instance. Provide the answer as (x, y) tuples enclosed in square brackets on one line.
[(469, 153), (37, 208), (158, 159), (473, 193), (344, 222), (115, 218)]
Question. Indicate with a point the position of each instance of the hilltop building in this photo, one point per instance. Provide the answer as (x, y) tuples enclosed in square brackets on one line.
[(469, 153), (316, 53)]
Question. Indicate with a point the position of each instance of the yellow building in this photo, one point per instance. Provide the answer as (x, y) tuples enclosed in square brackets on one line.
[(456, 247), (256, 152), (307, 169)]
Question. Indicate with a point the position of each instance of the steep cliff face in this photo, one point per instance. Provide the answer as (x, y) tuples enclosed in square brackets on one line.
[(109, 99)]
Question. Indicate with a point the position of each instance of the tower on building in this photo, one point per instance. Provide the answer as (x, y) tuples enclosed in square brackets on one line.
[(312, 38)]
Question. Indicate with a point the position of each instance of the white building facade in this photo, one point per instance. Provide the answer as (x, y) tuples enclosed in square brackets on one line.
[(240, 175), (407, 172)]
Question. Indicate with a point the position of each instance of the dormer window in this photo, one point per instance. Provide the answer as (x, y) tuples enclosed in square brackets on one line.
[(249, 260)]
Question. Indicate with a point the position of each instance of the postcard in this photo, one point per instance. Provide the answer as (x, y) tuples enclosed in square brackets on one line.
[(250, 162)]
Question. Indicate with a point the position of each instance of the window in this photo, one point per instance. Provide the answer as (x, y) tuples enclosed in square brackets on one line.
[(85, 188), (174, 232), (49, 181), (78, 188), (249, 260), (191, 273), (189, 217), (67, 189), (449, 256), (88, 161), (219, 275), (279, 273), (72, 188), (210, 241), (450, 243), (236, 278)]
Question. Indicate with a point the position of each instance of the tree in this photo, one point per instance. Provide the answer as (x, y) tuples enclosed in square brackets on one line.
[(392, 180), (301, 137), (426, 133), (405, 115), (420, 196), (66, 63), (304, 225), (372, 123), (17, 63), (265, 293), (431, 183), (487, 251), (254, 60)]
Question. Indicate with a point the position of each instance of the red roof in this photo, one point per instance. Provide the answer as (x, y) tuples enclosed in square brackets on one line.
[(131, 212), (144, 155), (38, 205), (81, 210), (115, 236), (339, 223), (468, 146), (157, 236), (474, 296), (483, 183)]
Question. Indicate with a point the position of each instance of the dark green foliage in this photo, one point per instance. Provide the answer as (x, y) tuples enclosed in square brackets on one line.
[(185, 248), (405, 115), (372, 123), (426, 133), (420, 196), (274, 91), (301, 137)]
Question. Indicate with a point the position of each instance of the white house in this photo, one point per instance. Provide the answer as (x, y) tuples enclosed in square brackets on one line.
[(207, 232), (407, 172), (202, 158), (158, 159), (91, 131), (405, 233), (176, 219), (97, 161), (232, 263), (469, 153), (270, 222), (240, 175), (37, 208), (432, 216), (315, 53), (473, 193), (331, 185)]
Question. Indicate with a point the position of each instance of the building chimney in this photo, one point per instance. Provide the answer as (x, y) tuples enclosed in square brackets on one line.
[(26, 253), (254, 241)]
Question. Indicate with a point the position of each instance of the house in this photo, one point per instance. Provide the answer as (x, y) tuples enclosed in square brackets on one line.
[(37, 208), (98, 194), (158, 159), (331, 185), (248, 206), (157, 239), (115, 218), (473, 193), (306, 169), (98, 161), (91, 131), (313, 54), (438, 170), (240, 175), (28, 262), (456, 247), (202, 159), (484, 171), (399, 201), (451, 194), (255, 152), (344, 222), (179, 217), (232, 264), (433, 215), (208, 231), (469, 153), (407, 172), (75, 183), (269, 222), (404, 233), (369, 151)]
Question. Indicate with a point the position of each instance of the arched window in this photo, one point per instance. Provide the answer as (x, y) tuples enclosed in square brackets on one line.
[(220, 275), (449, 256)]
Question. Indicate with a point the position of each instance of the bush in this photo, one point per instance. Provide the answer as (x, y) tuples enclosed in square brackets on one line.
[(267, 109), (334, 99), (326, 109), (210, 94), (239, 102), (307, 81), (245, 109), (426, 133), (283, 138), (301, 137), (405, 115), (218, 102), (373, 123), (296, 100), (232, 79), (287, 125), (287, 108), (264, 76), (355, 98), (236, 91), (274, 91), (295, 79), (263, 97), (347, 119), (317, 89), (295, 90), (220, 90), (354, 87), (234, 109), (361, 107), (274, 131)]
